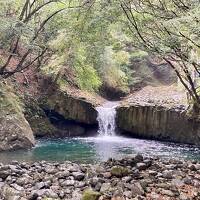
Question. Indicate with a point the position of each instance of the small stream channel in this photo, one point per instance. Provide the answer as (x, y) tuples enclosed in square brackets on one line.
[(102, 147)]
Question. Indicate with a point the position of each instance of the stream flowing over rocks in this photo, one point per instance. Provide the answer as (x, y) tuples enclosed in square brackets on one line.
[(127, 179)]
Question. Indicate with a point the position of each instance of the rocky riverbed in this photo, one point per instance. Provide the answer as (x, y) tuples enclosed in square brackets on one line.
[(127, 179)]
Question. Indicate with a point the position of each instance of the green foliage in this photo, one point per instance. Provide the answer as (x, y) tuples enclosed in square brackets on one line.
[(88, 45), (138, 54), (169, 30), (111, 68), (91, 47), (87, 78)]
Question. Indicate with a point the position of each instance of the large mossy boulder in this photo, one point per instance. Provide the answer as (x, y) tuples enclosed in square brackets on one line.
[(15, 132)]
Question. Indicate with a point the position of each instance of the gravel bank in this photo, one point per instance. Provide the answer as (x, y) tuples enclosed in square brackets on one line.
[(127, 179)]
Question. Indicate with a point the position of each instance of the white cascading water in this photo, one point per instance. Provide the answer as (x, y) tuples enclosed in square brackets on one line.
[(106, 118)]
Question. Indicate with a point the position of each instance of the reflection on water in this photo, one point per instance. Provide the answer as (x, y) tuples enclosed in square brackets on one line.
[(95, 149)]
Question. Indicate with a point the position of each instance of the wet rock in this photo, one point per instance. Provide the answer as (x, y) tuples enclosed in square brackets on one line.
[(72, 108)]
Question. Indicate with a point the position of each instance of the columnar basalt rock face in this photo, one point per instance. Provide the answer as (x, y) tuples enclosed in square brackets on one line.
[(71, 108), (156, 122), (15, 132)]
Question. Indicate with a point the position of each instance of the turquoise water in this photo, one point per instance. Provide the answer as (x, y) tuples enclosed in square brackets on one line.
[(95, 149)]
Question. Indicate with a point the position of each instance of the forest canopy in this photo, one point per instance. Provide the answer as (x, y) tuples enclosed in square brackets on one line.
[(94, 44)]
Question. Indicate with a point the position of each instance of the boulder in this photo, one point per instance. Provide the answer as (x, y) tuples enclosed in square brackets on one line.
[(119, 171), (137, 189), (78, 176), (15, 132), (90, 195)]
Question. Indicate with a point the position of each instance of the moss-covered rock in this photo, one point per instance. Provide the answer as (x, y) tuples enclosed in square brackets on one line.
[(39, 122), (119, 171), (90, 195), (15, 132)]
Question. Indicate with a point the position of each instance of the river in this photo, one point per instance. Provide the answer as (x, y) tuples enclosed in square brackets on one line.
[(106, 145)]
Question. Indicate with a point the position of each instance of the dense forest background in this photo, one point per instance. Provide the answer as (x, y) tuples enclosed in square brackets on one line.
[(102, 46)]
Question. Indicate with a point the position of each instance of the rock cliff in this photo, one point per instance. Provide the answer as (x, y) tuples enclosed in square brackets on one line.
[(71, 107), (157, 122)]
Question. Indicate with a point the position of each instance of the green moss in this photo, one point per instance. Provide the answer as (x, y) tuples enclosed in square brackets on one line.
[(91, 195), (119, 171), (9, 102), (37, 119)]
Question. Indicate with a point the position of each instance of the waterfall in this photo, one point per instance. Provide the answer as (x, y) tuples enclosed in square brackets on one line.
[(106, 118)]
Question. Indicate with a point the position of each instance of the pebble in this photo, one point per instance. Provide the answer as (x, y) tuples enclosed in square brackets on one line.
[(133, 178)]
